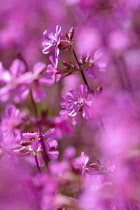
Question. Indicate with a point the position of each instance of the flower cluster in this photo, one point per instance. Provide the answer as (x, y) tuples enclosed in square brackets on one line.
[(70, 116)]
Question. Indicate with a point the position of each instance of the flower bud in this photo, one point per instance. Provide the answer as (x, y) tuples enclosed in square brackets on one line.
[(64, 45), (99, 90), (71, 33), (25, 143)]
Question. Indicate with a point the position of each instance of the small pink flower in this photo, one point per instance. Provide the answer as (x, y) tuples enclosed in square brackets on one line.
[(51, 41), (81, 101), (35, 146)]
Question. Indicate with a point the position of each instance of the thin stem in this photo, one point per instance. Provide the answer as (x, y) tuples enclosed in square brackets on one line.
[(103, 126), (20, 57), (37, 164), (33, 103), (83, 76), (45, 157)]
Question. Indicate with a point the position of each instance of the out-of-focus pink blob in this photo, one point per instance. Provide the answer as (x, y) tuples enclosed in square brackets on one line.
[(87, 40)]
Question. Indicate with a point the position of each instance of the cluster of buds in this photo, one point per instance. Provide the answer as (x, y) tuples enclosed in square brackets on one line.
[(68, 42), (85, 63), (67, 69), (36, 145)]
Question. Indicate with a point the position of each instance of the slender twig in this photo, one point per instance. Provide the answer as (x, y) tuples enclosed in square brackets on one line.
[(103, 127), (20, 57), (45, 157), (33, 103), (83, 76), (37, 164)]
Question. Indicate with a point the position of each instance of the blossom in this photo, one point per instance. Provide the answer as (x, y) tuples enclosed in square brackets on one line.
[(12, 118), (15, 82), (51, 41), (81, 101), (90, 65), (81, 162), (9, 128), (36, 144)]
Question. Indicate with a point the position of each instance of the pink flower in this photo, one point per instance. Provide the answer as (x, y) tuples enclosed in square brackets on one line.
[(35, 146), (81, 101), (81, 162), (14, 82), (11, 120), (51, 41), (91, 65)]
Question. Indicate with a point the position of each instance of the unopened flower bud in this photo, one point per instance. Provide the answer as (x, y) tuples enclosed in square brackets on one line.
[(92, 92), (67, 64), (24, 151), (25, 143), (71, 33), (64, 45), (99, 90)]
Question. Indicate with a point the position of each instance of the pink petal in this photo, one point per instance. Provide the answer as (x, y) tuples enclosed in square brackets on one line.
[(53, 155), (50, 133), (90, 73), (17, 67), (29, 135), (38, 94), (11, 111), (86, 113), (53, 143), (83, 90), (39, 68), (35, 145), (74, 111), (71, 96), (25, 78)]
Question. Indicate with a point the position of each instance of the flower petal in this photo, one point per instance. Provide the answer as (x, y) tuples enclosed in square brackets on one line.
[(50, 133), (90, 73), (53, 155), (83, 90), (64, 102), (29, 135), (53, 143), (35, 145), (38, 94), (86, 113), (71, 96), (74, 111), (48, 34)]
